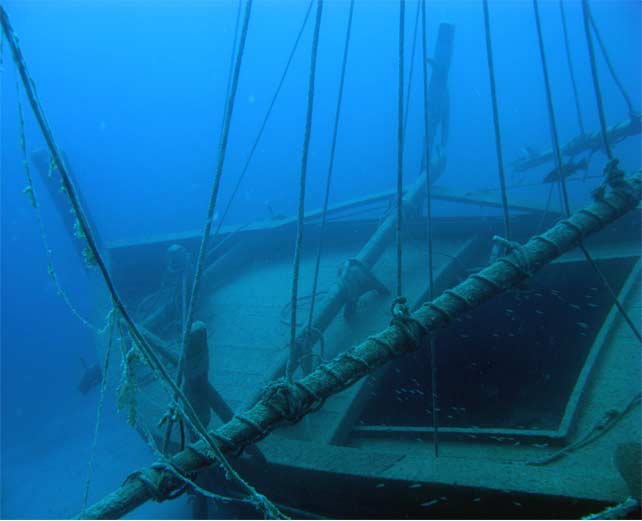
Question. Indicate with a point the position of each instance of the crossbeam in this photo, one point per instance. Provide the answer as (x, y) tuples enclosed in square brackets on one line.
[(394, 341)]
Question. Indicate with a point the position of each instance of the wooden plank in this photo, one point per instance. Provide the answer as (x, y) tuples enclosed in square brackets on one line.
[(409, 431), (419, 466), (571, 409)]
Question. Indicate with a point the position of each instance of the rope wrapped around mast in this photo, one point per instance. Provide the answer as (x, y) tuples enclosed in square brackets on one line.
[(394, 341)]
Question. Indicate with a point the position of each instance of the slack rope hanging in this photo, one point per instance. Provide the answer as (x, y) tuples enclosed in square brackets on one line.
[(302, 182), (326, 197), (498, 137)]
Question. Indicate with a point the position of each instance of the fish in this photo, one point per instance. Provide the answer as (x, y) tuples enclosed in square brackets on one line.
[(567, 169), (530, 152)]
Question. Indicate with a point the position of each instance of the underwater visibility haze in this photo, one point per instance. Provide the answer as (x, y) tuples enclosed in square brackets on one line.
[(320, 259)]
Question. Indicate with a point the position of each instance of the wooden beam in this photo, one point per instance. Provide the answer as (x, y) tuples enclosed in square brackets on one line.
[(408, 431)]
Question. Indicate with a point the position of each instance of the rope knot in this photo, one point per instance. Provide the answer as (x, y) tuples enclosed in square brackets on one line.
[(284, 398), (399, 308), (410, 326), (522, 259), (616, 179), (157, 482)]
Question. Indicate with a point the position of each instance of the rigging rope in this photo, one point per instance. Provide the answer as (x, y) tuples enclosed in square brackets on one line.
[(30, 191), (326, 197), (620, 86), (402, 9), (431, 279), (229, 107), (264, 122), (232, 54), (551, 113), (103, 388), (498, 138), (302, 183), (412, 69), (558, 157), (596, 82), (580, 120), (140, 342)]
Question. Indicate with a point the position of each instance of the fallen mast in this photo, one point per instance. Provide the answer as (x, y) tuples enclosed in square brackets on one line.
[(286, 403), (581, 143)]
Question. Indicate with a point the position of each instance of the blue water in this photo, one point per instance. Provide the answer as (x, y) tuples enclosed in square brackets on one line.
[(134, 94)]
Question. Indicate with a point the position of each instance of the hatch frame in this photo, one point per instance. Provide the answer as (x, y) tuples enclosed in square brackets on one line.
[(572, 406)]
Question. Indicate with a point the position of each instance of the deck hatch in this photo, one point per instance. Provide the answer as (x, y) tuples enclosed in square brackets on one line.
[(501, 371)]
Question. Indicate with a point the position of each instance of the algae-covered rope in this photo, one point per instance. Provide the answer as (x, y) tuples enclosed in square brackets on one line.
[(259, 134), (431, 278), (103, 390), (68, 185), (328, 180), (567, 47), (139, 340), (302, 183), (402, 11), (498, 137), (30, 191), (558, 157)]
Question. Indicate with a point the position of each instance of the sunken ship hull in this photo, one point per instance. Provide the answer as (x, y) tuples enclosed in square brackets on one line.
[(536, 389)]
